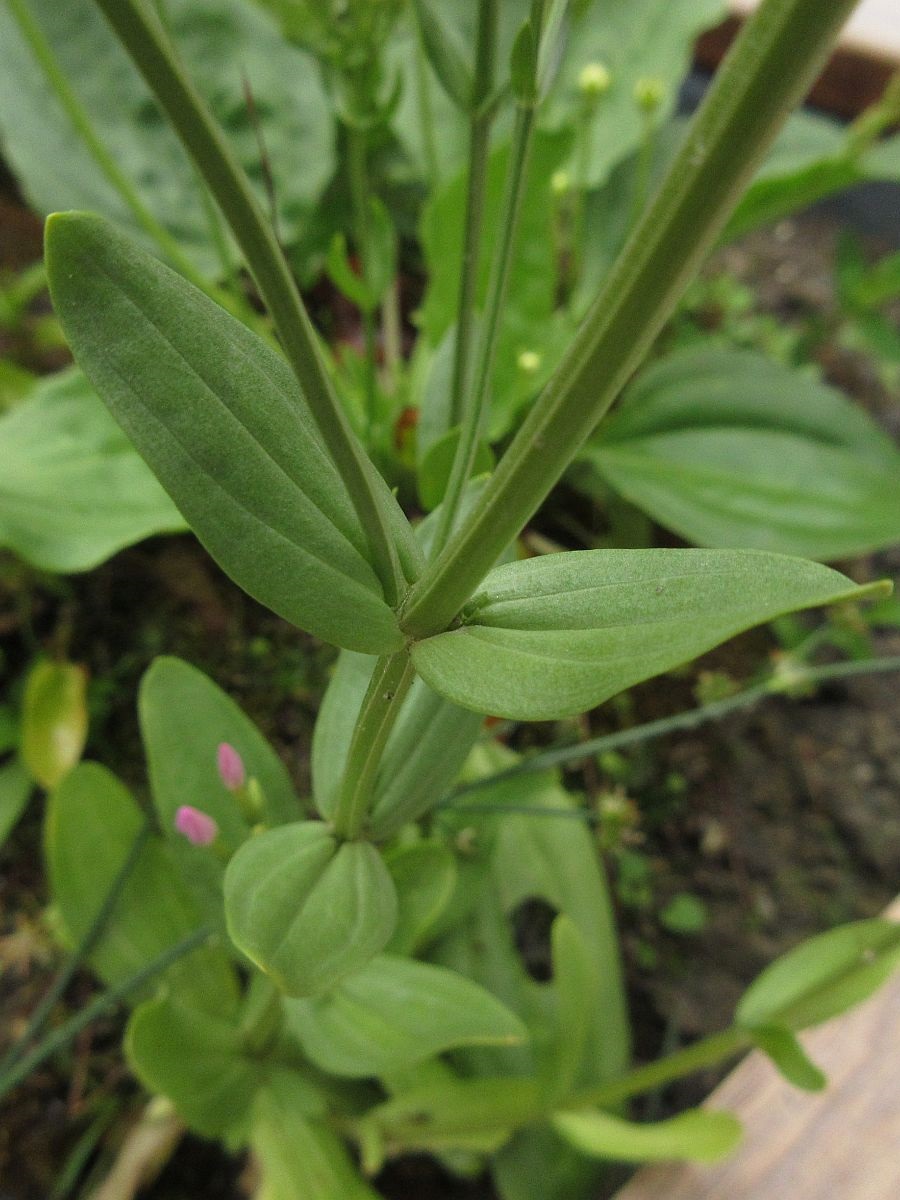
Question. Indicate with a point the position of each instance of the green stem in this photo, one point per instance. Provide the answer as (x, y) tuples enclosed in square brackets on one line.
[(569, 755), (382, 703), (708, 1052), (145, 40), (643, 170), (476, 401), (392, 334), (426, 112), (766, 72), (358, 172), (109, 999), (481, 122), (81, 952), (49, 64)]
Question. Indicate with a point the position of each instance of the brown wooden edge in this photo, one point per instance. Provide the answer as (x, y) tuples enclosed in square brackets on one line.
[(840, 1144), (853, 79)]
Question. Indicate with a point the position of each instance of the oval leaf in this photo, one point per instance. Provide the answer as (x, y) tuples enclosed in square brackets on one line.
[(397, 1012), (695, 1136), (220, 420), (424, 875), (54, 720), (74, 491), (15, 788), (553, 636), (823, 976), (184, 718), (700, 444), (92, 823), (306, 909), (196, 1060), (790, 1058)]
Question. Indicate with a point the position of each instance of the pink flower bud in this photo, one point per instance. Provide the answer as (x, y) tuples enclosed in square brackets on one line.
[(231, 767), (198, 827)]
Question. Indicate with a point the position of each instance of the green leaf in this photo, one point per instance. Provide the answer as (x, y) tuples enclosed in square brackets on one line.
[(684, 914), (529, 321), (300, 1159), (446, 53), (308, 910), (437, 463), (808, 162), (220, 420), (534, 854), (184, 718), (344, 277), (575, 982), (695, 1136), (335, 723), (15, 788), (222, 43), (396, 1012), (789, 1057), (426, 748), (54, 720), (700, 443), (424, 875), (822, 977), (553, 636), (523, 64), (449, 1113), (73, 490), (425, 752), (195, 1059), (91, 825)]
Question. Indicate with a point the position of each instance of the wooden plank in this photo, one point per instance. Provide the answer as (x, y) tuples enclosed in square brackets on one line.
[(842, 1143), (857, 73)]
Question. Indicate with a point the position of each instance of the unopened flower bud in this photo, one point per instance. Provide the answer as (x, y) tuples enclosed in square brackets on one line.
[(560, 183), (231, 767), (529, 361), (198, 827), (649, 94), (594, 80)]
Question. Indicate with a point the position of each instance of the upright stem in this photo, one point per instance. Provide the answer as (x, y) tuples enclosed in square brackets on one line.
[(708, 1052), (481, 121), (382, 703), (145, 40), (476, 400), (426, 111), (767, 71), (358, 172)]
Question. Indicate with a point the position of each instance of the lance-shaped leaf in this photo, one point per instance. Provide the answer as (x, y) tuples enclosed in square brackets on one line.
[(695, 1136), (700, 443), (553, 636), (397, 1012), (822, 977), (73, 490), (221, 421), (308, 910)]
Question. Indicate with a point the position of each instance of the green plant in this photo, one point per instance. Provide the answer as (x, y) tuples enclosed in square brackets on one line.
[(371, 86), (346, 972)]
